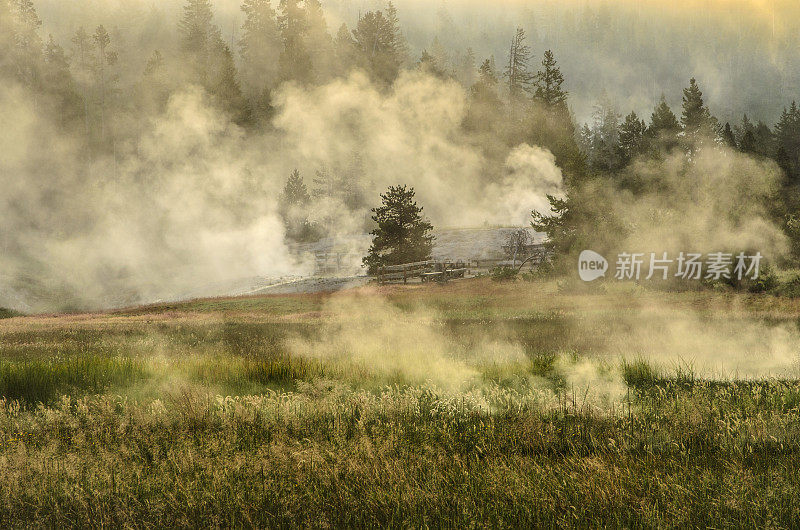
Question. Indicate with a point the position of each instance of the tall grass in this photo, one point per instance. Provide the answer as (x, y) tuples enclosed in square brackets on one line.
[(35, 381), (331, 457)]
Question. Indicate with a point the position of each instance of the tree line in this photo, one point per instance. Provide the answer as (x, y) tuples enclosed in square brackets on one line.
[(519, 99)]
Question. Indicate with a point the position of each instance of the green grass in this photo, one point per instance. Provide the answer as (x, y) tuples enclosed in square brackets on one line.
[(43, 380), (152, 418)]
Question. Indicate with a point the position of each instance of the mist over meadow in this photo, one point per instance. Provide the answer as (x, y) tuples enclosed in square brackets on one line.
[(151, 148)]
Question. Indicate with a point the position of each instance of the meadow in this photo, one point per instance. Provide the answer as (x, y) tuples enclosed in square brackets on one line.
[(471, 404)]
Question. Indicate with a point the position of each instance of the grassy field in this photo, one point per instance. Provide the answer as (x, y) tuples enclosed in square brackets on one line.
[(471, 404)]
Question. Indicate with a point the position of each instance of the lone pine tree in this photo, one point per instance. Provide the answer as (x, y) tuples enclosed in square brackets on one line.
[(402, 235)]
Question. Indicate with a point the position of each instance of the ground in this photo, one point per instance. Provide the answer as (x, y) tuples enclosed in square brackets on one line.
[(475, 403)]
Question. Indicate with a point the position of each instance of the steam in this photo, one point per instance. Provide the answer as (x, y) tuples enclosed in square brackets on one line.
[(190, 199)]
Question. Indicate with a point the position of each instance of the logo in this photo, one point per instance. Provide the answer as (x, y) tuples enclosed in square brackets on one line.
[(591, 265)]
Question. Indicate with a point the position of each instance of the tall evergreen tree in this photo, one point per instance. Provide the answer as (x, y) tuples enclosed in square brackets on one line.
[(28, 46), (345, 48), (662, 133), (398, 44), (484, 101), (83, 51), (295, 59), (728, 138), (548, 83), (104, 82), (58, 82), (154, 89), (605, 154), (663, 120), (427, 63), (631, 136), (746, 135), (698, 124), (377, 42), (319, 42), (210, 58), (787, 139), (403, 235), (260, 46)]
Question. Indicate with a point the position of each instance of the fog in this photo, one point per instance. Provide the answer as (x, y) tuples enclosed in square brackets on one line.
[(129, 183)]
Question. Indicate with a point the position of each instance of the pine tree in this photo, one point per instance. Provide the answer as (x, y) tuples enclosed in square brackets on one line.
[(631, 136), (104, 82), (295, 192), (728, 137), (427, 63), (746, 136), (377, 43), (260, 46), (294, 202), (662, 133), (402, 235), (83, 49), (58, 83), (519, 78), (663, 120), (605, 154), (466, 71), (548, 83), (484, 102), (28, 45), (154, 91), (198, 33), (398, 43), (345, 48), (295, 59), (698, 124), (787, 139), (210, 59)]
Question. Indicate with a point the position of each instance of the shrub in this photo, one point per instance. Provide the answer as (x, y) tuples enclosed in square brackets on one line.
[(504, 274)]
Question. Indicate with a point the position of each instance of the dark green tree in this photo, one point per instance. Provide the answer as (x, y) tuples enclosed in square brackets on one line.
[(605, 154), (698, 124), (787, 140), (662, 133), (728, 137), (403, 235), (631, 136), (548, 83), (745, 134), (663, 120)]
